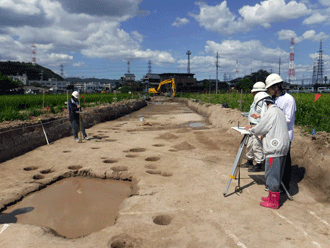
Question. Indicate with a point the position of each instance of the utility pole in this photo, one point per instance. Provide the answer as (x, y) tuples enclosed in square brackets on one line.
[(188, 69), (217, 67), (279, 67), (149, 67)]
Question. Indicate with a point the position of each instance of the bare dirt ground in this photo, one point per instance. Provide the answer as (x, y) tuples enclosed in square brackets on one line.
[(181, 173)]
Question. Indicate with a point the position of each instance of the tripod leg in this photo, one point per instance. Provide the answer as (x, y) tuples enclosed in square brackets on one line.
[(238, 157), (80, 131), (287, 193)]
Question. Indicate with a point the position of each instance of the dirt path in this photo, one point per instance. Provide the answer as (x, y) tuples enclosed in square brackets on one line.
[(181, 173)]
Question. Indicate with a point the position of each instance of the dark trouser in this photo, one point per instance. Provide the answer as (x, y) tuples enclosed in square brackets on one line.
[(76, 129), (287, 171), (274, 172)]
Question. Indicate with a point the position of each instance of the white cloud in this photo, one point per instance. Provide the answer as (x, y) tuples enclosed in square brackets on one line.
[(55, 59), (69, 26), (246, 50), (220, 19), (217, 18), (325, 2), (272, 11), (311, 35), (79, 64), (288, 34), (136, 35), (179, 22), (315, 18), (308, 35), (251, 55), (24, 7), (315, 56)]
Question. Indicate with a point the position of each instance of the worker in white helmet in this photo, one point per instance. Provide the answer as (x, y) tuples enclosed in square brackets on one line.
[(273, 128), (74, 108), (254, 146), (282, 99)]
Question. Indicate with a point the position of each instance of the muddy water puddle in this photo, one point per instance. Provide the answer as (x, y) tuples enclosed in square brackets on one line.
[(72, 207), (197, 124)]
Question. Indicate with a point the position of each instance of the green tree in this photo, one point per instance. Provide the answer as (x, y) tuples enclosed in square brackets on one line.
[(245, 84), (260, 75), (125, 89), (7, 84), (207, 85)]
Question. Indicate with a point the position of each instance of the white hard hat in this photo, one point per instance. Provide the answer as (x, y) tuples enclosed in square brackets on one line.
[(273, 79), (75, 94), (260, 96), (259, 86)]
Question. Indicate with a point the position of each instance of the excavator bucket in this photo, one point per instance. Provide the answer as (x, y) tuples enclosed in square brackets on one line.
[(153, 91)]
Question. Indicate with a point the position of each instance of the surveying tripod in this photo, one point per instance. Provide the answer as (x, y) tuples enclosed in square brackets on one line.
[(236, 168)]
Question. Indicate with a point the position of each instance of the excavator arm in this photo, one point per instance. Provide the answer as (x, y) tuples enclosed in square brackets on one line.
[(167, 81)]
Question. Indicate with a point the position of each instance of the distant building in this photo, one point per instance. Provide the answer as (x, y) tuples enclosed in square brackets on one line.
[(91, 87), (183, 81), (52, 84), (23, 79), (150, 80), (129, 79)]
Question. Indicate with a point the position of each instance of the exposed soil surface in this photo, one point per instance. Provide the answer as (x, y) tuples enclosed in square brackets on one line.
[(179, 173)]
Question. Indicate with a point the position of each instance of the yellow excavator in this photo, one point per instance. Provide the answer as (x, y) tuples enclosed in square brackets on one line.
[(167, 81)]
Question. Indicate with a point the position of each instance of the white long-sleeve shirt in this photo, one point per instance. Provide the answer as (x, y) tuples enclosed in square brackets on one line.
[(273, 128), (288, 105)]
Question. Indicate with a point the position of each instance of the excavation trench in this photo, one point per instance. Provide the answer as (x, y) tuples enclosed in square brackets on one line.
[(72, 207)]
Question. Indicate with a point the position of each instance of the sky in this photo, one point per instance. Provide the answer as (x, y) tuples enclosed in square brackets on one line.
[(97, 38)]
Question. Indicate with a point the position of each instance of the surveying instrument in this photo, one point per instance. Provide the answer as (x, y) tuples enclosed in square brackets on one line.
[(235, 172)]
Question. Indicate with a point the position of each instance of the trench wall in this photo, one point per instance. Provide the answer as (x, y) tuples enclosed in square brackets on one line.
[(311, 156), (20, 140)]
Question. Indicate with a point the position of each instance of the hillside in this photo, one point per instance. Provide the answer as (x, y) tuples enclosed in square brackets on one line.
[(33, 72)]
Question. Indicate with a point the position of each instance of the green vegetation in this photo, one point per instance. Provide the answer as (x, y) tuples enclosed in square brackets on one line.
[(309, 114), (21, 107)]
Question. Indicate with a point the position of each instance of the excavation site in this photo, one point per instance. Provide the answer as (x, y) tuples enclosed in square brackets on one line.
[(153, 174)]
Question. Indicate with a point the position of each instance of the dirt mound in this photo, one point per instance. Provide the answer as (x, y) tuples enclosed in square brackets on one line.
[(184, 146), (167, 136)]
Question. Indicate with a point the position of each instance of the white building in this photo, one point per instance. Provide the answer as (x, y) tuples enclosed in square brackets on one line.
[(52, 84), (91, 87), (23, 79)]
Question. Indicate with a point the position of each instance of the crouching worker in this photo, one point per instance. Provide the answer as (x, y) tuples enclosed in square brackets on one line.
[(74, 108), (273, 128), (254, 146)]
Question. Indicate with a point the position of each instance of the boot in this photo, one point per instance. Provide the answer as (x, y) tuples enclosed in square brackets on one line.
[(273, 202), (248, 164), (256, 168), (266, 199)]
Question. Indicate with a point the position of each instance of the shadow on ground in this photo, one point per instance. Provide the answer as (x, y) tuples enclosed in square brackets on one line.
[(11, 217)]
